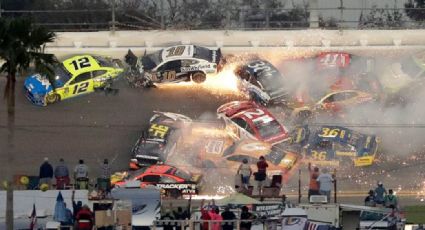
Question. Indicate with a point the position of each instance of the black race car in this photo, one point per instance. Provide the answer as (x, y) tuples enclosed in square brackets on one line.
[(262, 82), (159, 140)]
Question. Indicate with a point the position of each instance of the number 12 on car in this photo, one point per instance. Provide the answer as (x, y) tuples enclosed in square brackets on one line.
[(80, 88)]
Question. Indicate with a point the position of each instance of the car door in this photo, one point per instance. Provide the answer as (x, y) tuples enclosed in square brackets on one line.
[(80, 85), (99, 78), (168, 71)]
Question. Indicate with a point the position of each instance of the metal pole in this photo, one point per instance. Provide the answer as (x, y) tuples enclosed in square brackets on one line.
[(299, 186), (334, 177), (0, 9), (113, 16), (162, 14)]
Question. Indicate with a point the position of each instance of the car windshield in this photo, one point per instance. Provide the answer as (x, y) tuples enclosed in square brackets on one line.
[(103, 62), (62, 76), (202, 53), (410, 67), (180, 173), (150, 61), (136, 173), (268, 129), (148, 148)]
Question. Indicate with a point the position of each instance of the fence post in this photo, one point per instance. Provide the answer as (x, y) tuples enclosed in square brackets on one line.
[(113, 16), (314, 15), (299, 186)]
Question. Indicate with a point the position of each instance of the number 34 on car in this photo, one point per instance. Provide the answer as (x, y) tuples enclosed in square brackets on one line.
[(73, 77)]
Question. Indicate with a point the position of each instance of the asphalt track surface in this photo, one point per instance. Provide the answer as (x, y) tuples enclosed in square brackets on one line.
[(98, 126)]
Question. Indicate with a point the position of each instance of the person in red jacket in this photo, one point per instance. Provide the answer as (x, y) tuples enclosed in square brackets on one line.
[(84, 219), (205, 215)]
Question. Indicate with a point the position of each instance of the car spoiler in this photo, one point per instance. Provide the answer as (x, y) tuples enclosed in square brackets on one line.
[(216, 56), (130, 58)]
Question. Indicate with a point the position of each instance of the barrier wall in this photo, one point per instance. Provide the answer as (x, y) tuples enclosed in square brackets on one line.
[(116, 44), (23, 201)]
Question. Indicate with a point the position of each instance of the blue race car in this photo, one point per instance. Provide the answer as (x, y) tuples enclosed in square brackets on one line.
[(327, 144)]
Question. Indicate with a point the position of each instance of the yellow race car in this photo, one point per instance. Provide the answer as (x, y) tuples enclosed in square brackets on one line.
[(75, 76)]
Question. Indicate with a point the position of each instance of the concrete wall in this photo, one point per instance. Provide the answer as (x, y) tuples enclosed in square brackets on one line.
[(117, 44)]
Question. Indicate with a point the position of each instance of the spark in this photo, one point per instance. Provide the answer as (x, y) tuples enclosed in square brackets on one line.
[(223, 83)]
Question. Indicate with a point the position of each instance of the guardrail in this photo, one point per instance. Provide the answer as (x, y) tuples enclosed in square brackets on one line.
[(197, 224)]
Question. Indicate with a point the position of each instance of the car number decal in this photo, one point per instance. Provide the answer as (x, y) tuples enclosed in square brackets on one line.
[(158, 130), (328, 132), (258, 115), (80, 88), (81, 63), (169, 75), (175, 51)]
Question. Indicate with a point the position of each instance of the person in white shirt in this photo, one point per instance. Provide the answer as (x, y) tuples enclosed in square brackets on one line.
[(325, 181), (81, 175), (245, 171)]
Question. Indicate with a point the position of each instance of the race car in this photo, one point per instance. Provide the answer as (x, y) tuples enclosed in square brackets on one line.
[(166, 177), (334, 103), (173, 64), (246, 119), (330, 144), (159, 140), (73, 77), (262, 82)]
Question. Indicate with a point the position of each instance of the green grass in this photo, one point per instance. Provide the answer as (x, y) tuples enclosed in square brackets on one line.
[(415, 214)]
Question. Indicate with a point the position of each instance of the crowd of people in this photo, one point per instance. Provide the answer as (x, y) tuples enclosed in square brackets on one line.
[(62, 175), (380, 197), (211, 217), (245, 172)]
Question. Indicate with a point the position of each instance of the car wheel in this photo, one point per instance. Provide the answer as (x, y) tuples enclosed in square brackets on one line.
[(199, 77), (52, 98)]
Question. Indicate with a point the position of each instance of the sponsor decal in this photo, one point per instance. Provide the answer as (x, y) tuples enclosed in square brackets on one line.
[(184, 188), (194, 68), (214, 56)]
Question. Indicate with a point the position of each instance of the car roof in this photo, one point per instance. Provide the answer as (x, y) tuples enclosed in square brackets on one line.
[(245, 114), (187, 53), (69, 66), (160, 169)]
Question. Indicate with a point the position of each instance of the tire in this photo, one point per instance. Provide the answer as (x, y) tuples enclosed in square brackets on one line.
[(199, 77), (52, 98)]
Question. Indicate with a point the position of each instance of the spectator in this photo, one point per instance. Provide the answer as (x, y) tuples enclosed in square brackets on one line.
[(205, 216), (228, 215), (370, 199), (420, 227), (325, 184), (46, 173), (84, 218), (215, 216), (245, 171), (69, 217), (313, 188), (380, 193), (248, 217), (61, 175), (391, 200), (76, 206), (183, 215), (105, 177), (81, 175), (261, 174), (168, 217)]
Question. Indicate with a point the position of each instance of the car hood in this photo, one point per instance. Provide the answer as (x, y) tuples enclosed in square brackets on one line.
[(37, 84)]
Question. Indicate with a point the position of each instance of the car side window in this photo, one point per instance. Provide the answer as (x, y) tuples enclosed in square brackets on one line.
[(188, 62), (167, 179), (82, 77), (151, 178), (240, 122), (349, 95), (171, 65), (330, 99), (98, 73)]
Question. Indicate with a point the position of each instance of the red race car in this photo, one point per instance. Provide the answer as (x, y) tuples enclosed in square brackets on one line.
[(246, 119), (163, 176)]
